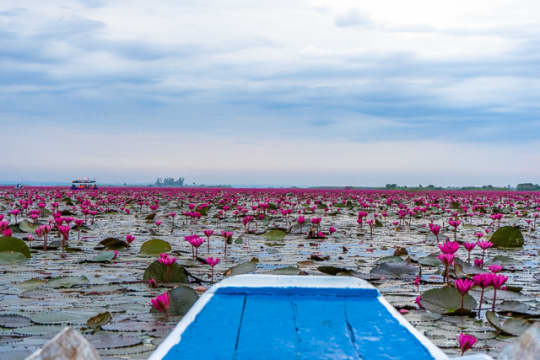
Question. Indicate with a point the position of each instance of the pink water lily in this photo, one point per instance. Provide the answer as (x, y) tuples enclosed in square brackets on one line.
[(466, 342), (483, 281), (463, 286), (447, 260), (212, 262), (162, 303), (449, 247)]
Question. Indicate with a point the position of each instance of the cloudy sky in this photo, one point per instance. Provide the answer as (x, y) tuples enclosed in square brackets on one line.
[(279, 92)]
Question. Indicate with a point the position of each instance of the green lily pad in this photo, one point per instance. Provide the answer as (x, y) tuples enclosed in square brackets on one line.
[(243, 268), (40, 330), (394, 269), (12, 321), (103, 257), (31, 284), (27, 227), (446, 300), (289, 270), (112, 243), (516, 307), (429, 260), (11, 257), (507, 237), (333, 270), (157, 271), (99, 320), (66, 281), (182, 298), (150, 217), (510, 326), (9, 243), (107, 340), (389, 259), (275, 235), (58, 317), (155, 247)]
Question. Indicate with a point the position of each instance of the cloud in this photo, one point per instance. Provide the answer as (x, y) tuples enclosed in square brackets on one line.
[(352, 17), (296, 72)]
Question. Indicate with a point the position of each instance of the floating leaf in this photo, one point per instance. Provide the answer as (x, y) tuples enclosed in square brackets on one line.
[(182, 298), (112, 243), (429, 260), (174, 273), (9, 243), (462, 268), (516, 307), (155, 247), (507, 237), (333, 270), (510, 326), (389, 259), (107, 340), (243, 268), (104, 256), (66, 281), (275, 235), (289, 270), (58, 317), (14, 321), (27, 227), (446, 300), (150, 218), (394, 269), (99, 320), (40, 330), (31, 284), (10, 257)]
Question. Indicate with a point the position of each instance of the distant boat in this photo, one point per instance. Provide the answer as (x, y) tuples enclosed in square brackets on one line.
[(84, 184), (295, 317)]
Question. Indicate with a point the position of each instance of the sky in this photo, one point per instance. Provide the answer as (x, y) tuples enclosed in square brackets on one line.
[(274, 93)]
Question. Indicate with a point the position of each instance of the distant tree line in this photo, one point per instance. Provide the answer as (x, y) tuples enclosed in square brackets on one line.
[(169, 181), (528, 187)]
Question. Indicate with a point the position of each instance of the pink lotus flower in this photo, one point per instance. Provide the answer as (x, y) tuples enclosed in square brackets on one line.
[(212, 262), (208, 233), (495, 268), (449, 247), (195, 242), (447, 260), (166, 260), (484, 244), (478, 263), (152, 283), (466, 342), (332, 230), (482, 280), (129, 238), (162, 303), (469, 247), (463, 286)]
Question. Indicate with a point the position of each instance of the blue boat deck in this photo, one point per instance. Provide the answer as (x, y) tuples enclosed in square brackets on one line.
[(288, 322)]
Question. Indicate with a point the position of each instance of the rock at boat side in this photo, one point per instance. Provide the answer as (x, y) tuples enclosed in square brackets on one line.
[(69, 344)]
